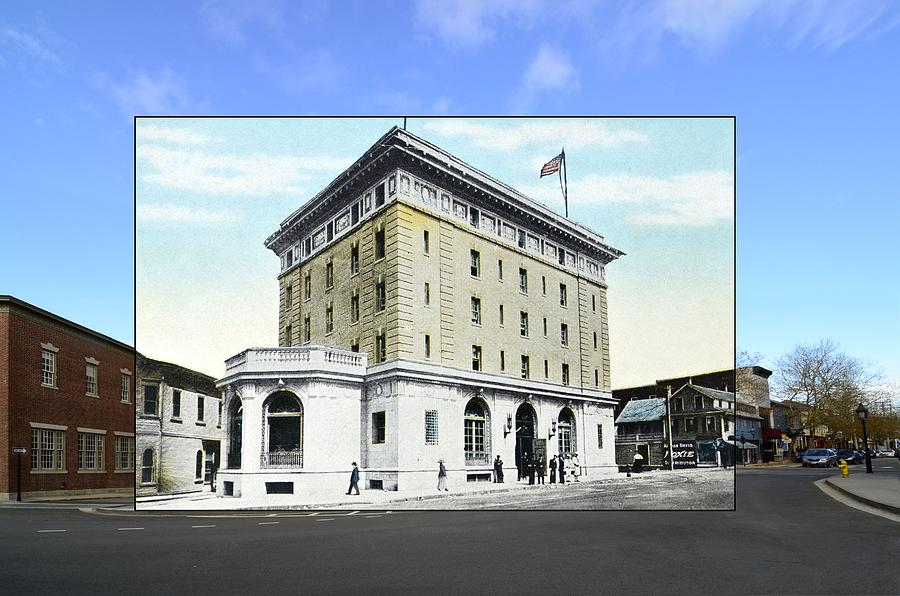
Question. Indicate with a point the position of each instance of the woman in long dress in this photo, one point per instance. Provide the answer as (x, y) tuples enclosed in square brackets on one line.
[(442, 476)]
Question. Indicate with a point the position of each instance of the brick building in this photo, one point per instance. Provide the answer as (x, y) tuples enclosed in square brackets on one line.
[(179, 429), (67, 396), (427, 311)]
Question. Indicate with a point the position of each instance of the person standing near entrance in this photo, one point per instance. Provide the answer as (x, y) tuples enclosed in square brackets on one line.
[(562, 469), (541, 469), (576, 467), (354, 479), (498, 470), (638, 462), (553, 470), (442, 476), (529, 467)]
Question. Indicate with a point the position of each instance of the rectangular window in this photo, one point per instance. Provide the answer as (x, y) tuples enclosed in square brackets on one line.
[(380, 297), (473, 217), (427, 346), (523, 324), (544, 285), (329, 318), (219, 418), (48, 368), (288, 297), (151, 393), (599, 436), (90, 452), (545, 326), (698, 402), (476, 311), (564, 334), (546, 369), (354, 259), (354, 214), (500, 269), (593, 303), (476, 357), (329, 275), (200, 408), (90, 379), (596, 378), (426, 244), (307, 328), (379, 244), (562, 256), (126, 388), (48, 449), (176, 403), (501, 315), (502, 360), (710, 424), (675, 427), (287, 335), (523, 280), (380, 348), (520, 239), (690, 425), (526, 367), (475, 268), (307, 286), (595, 340), (379, 195), (124, 453), (329, 231), (563, 298), (427, 293), (431, 427), (378, 426), (354, 307), (679, 404), (354, 345), (565, 374)]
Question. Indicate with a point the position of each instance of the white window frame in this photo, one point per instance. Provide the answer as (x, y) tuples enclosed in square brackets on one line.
[(124, 456), (89, 382), (431, 427), (126, 386), (52, 438), (48, 355), (91, 450)]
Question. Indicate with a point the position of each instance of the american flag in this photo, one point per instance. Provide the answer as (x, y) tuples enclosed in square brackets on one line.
[(552, 166)]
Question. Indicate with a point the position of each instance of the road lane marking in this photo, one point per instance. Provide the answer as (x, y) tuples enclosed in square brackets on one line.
[(52, 530), (313, 514), (203, 526), (325, 519), (353, 513), (267, 523), (126, 529), (368, 516)]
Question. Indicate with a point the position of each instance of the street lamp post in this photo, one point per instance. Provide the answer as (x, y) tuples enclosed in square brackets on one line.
[(743, 449), (863, 413)]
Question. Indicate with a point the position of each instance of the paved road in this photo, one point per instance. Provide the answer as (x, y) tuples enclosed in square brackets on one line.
[(786, 537)]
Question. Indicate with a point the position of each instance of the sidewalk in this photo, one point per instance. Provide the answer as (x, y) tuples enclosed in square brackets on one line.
[(380, 499), (876, 490)]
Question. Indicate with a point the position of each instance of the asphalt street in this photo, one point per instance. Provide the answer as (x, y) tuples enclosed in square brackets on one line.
[(786, 537)]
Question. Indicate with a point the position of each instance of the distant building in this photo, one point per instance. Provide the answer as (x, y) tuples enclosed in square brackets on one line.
[(179, 429), (427, 311), (67, 397)]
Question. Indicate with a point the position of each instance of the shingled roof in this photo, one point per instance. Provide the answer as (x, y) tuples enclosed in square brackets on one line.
[(643, 410), (176, 376)]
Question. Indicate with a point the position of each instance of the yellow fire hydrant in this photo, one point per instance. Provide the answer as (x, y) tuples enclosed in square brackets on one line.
[(845, 469)]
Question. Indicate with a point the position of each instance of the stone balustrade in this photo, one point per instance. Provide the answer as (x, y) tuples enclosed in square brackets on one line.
[(296, 359)]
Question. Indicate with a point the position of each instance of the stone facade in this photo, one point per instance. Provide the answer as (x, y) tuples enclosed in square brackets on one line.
[(75, 416), (393, 350), (178, 446)]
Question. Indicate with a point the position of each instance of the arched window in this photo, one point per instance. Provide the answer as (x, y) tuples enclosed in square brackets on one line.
[(476, 440), (284, 431), (198, 469), (235, 432), (147, 466), (565, 430)]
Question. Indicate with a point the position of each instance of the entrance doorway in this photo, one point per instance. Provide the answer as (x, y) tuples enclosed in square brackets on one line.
[(644, 450), (525, 425), (235, 433)]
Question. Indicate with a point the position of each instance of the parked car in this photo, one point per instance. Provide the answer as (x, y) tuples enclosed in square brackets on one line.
[(851, 456), (884, 452), (798, 455), (819, 457)]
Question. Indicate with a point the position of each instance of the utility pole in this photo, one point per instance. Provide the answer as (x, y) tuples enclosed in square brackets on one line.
[(669, 426)]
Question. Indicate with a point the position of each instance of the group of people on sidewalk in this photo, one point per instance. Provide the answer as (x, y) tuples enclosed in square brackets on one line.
[(537, 467)]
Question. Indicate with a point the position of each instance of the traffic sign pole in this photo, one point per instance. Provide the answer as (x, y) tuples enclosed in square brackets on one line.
[(19, 451)]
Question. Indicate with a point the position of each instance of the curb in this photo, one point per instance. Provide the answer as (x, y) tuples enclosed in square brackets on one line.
[(863, 500)]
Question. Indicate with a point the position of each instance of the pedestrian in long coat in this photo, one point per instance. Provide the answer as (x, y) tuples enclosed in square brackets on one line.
[(562, 470), (529, 466), (498, 470), (354, 479), (541, 469), (442, 476), (553, 470)]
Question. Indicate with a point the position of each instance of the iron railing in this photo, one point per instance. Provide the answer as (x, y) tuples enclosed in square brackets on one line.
[(282, 459)]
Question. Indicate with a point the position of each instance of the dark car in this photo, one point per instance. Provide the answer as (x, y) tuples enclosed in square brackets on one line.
[(819, 457), (851, 456)]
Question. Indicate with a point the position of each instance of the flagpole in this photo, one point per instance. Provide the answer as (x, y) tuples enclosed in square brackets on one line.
[(563, 182)]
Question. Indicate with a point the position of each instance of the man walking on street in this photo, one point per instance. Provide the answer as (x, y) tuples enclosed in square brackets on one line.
[(354, 480), (553, 470)]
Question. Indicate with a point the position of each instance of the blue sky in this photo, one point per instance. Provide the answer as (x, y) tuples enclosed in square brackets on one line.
[(813, 85)]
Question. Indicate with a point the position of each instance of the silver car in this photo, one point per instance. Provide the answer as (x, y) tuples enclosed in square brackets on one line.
[(819, 457)]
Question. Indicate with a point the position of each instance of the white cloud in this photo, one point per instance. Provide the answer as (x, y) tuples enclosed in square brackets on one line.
[(469, 23), (318, 70), (551, 70), (169, 213), (142, 93), (227, 20), (29, 45), (697, 198), (215, 173), (169, 134), (573, 134)]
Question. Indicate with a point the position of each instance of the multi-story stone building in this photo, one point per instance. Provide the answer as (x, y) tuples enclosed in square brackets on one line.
[(67, 400), (179, 428), (479, 315)]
